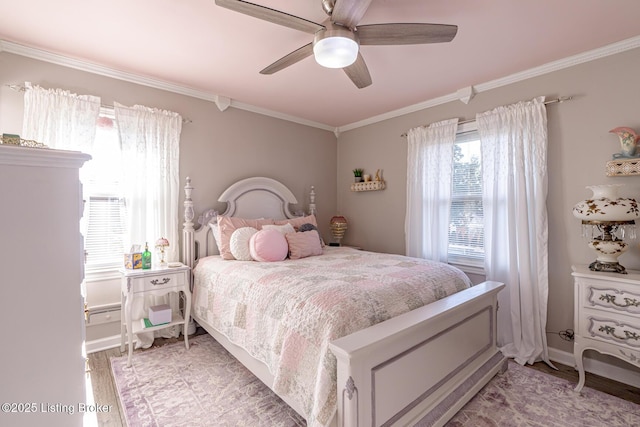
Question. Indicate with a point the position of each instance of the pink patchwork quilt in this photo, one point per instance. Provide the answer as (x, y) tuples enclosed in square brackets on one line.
[(286, 313)]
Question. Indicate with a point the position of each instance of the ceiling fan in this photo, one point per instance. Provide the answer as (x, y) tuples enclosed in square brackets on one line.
[(336, 41)]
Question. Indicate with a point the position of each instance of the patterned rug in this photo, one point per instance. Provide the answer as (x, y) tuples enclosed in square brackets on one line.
[(526, 397), (205, 386)]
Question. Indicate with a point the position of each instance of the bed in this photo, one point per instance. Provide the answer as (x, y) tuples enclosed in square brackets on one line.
[(345, 337)]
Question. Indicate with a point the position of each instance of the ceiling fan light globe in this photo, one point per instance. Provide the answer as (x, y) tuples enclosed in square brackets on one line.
[(335, 52)]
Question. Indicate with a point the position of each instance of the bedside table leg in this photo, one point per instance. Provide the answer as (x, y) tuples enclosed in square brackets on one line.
[(122, 322), (187, 317), (127, 309), (578, 351)]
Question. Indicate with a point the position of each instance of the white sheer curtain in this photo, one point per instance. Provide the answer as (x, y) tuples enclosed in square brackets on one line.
[(429, 170), (60, 119), (150, 140), (514, 173)]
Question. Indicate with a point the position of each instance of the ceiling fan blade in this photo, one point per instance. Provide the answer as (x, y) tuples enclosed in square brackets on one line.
[(397, 34), (290, 59), (349, 12), (270, 15), (359, 73)]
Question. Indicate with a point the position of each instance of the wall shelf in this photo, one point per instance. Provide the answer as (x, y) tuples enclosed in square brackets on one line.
[(623, 167), (368, 186)]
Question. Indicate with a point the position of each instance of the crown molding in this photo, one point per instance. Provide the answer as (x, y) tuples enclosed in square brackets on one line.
[(549, 67), (221, 102)]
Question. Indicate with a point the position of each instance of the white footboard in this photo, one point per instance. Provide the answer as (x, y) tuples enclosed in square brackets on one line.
[(420, 368)]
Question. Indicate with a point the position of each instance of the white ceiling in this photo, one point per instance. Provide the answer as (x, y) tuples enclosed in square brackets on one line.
[(196, 45)]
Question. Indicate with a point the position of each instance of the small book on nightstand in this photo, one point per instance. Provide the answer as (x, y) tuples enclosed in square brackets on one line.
[(146, 323)]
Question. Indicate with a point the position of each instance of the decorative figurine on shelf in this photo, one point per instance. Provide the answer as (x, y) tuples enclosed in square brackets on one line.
[(146, 257), (162, 243), (628, 141), (378, 177)]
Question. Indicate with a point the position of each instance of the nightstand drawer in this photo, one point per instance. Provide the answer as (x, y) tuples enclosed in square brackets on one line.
[(158, 282)]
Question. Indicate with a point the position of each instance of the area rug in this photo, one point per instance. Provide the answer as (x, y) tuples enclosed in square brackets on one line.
[(525, 397), (205, 386)]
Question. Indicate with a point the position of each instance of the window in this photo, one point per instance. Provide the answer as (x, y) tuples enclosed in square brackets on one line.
[(104, 214), (466, 227)]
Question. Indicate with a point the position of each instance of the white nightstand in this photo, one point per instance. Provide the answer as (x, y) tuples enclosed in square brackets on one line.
[(156, 281), (607, 316)]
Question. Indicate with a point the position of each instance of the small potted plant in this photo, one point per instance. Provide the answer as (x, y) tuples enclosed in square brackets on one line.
[(357, 173)]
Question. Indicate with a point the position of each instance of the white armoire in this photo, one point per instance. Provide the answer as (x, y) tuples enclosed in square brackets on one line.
[(42, 368)]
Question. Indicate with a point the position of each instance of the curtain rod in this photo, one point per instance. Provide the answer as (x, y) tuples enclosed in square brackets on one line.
[(558, 100), (21, 88)]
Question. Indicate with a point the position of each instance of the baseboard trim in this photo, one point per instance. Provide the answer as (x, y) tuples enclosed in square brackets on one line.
[(597, 367), (101, 344)]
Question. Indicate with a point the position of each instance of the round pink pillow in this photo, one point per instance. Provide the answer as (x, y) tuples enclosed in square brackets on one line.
[(268, 245)]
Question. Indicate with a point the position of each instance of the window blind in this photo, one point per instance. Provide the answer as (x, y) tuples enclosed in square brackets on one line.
[(466, 228), (104, 242)]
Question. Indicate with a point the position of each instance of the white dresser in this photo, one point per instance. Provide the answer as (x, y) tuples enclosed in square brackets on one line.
[(42, 368), (606, 316)]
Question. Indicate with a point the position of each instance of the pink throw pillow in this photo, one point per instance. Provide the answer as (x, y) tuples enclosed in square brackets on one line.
[(304, 244), (268, 246), (228, 224)]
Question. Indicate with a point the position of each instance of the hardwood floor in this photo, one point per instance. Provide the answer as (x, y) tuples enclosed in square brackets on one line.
[(104, 389), (605, 385)]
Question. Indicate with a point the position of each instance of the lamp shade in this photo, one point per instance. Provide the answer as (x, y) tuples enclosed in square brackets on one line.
[(606, 205), (162, 242)]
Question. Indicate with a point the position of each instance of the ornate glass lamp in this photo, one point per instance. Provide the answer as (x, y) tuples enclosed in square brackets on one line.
[(338, 225), (162, 243), (607, 220)]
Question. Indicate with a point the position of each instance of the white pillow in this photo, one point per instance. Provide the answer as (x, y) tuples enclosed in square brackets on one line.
[(284, 228), (239, 243), (215, 230)]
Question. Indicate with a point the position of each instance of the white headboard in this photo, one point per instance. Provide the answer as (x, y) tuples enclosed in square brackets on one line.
[(256, 197)]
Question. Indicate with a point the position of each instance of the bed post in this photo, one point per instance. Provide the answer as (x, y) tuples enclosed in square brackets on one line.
[(312, 201), (187, 232)]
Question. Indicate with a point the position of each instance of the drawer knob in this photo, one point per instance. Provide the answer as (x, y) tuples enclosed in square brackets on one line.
[(628, 302), (164, 281)]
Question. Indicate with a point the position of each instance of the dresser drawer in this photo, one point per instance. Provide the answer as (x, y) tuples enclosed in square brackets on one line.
[(614, 329), (611, 297), (155, 282)]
